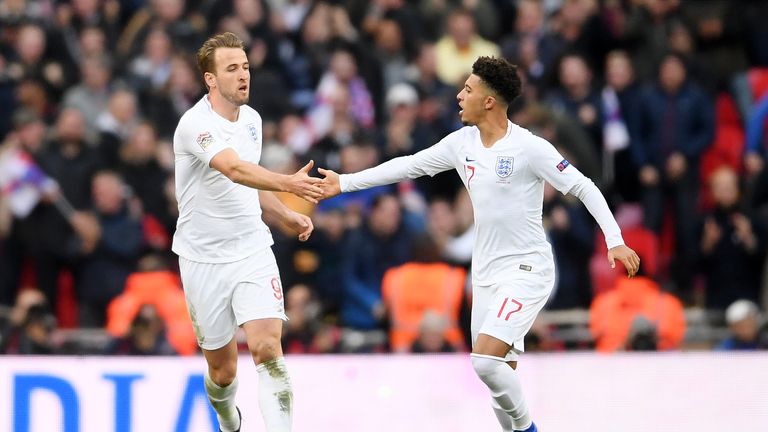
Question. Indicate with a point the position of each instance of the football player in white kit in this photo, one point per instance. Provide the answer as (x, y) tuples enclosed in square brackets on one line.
[(228, 271), (504, 167)]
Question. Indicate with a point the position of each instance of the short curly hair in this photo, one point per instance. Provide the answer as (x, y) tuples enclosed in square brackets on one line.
[(500, 76)]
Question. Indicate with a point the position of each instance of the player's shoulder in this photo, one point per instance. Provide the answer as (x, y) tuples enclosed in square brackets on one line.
[(251, 115), (462, 134), (194, 118), (527, 139)]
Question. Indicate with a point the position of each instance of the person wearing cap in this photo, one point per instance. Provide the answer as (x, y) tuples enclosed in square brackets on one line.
[(743, 318)]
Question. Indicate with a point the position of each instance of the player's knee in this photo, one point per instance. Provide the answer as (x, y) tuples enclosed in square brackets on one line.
[(265, 349), (486, 366), (224, 373)]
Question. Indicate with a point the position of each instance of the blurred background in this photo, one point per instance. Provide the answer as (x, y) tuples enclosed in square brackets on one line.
[(663, 103)]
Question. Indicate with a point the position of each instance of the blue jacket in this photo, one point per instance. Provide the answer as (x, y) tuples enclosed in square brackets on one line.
[(756, 126), (694, 117), (365, 259)]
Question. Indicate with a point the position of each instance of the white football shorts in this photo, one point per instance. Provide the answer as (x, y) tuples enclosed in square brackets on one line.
[(506, 310), (221, 297)]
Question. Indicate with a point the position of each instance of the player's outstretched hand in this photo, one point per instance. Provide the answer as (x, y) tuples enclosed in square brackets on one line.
[(301, 224), (626, 256), (330, 184), (304, 186)]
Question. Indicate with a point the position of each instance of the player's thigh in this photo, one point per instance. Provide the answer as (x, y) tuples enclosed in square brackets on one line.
[(208, 292)]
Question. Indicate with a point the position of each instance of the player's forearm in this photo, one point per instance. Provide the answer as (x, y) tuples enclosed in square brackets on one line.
[(272, 208), (595, 202), (389, 172), (258, 177)]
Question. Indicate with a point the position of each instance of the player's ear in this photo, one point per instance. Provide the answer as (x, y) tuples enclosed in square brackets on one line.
[(490, 101), (210, 79)]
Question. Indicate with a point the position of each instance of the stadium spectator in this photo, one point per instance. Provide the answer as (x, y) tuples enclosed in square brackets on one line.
[(341, 90), (268, 87), (326, 246), (431, 337), (744, 320), (29, 327), (145, 337), (33, 59), (141, 170), (55, 237), (115, 125), (620, 101), (155, 284), (531, 44), (304, 333), (571, 234), (460, 47), (91, 95), (116, 250), (423, 299), (676, 124), (732, 245), (717, 33), (184, 26), (404, 132), (165, 106), (437, 108), (646, 33), (151, 70), (382, 242), (614, 321), (577, 98), (390, 53)]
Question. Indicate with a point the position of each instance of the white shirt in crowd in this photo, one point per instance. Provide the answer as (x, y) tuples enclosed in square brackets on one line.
[(219, 220), (506, 186)]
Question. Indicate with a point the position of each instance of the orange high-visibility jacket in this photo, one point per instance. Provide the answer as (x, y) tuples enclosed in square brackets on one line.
[(412, 289), (612, 312), (162, 289)]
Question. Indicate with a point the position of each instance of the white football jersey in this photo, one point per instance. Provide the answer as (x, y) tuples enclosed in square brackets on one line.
[(219, 220), (506, 185)]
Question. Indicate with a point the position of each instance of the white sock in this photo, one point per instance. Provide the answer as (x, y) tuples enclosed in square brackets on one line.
[(504, 419), (275, 395), (505, 388), (223, 401)]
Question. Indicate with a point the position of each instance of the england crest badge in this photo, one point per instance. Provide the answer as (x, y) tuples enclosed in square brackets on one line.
[(504, 166), (253, 132)]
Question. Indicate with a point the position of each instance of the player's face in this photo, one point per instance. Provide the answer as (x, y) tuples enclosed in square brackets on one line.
[(233, 77), (472, 99)]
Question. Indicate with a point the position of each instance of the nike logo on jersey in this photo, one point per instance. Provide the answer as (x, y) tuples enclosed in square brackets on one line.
[(468, 159)]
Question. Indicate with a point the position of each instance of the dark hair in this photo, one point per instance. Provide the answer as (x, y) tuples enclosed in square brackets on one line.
[(500, 76)]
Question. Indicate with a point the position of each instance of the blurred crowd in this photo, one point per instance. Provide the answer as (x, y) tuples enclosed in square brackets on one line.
[(662, 103)]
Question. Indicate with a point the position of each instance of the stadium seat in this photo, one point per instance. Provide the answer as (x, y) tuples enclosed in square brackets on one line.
[(727, 147)]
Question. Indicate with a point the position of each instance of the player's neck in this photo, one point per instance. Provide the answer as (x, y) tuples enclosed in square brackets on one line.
[(223, 107), (492, 129)]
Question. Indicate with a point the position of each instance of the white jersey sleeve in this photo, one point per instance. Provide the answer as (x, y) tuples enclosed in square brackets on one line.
[(549, 164), (595, 202), (433, 160), (200, 140)]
